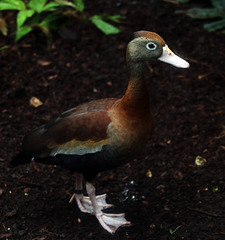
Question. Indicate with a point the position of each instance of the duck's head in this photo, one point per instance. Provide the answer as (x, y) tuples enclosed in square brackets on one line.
[(146, 46)]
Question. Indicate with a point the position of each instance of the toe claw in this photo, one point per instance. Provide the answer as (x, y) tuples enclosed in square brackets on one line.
[(72, 198)]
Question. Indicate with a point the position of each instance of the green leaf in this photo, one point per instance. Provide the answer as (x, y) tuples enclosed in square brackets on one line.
[(65, 3), (48, 22), (115, 18), (12, 5), (21, 32), (48, 35), (79, 5), (182, 1), (202, 13), (3, 26), (173, 231), (7, 6), (50, 6), (220, 4), (23, 15), (3, 47), (104, 26), (37, 5), (215, 25)]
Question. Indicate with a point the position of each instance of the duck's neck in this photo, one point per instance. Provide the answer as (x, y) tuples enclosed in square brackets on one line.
[(136, 97)]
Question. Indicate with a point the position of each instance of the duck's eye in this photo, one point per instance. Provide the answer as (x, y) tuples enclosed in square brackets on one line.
[(151, 46)]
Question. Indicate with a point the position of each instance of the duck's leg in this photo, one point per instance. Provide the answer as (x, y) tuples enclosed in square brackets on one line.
[(110, 222), (84, 203)]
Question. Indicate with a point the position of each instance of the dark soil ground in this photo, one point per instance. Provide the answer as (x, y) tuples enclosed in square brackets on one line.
[(180, 200)]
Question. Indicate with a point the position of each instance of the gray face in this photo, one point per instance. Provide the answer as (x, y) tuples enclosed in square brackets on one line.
[(143, 49)]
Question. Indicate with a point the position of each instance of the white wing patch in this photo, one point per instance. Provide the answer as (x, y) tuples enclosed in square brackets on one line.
[(79, 147)]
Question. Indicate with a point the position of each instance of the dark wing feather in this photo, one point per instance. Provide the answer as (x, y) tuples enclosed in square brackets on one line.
[(77, 130)]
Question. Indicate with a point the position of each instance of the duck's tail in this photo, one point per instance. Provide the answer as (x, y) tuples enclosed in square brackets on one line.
[(20, 159)]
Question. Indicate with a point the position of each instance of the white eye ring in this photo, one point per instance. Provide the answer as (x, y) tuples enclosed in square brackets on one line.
[(151, 46)]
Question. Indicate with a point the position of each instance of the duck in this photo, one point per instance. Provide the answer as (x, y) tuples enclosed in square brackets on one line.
[(102, 134)]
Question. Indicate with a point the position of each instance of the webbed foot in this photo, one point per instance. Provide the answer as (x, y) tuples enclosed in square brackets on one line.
[(85, 204), (111, 222)]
